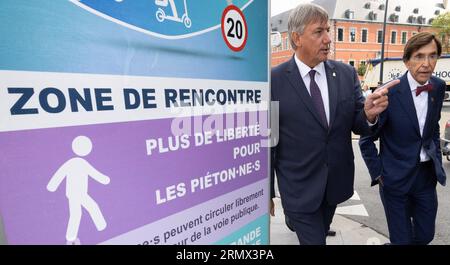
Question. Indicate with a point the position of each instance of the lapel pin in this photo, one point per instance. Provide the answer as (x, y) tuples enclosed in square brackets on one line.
[(334, 74), (432, 99)]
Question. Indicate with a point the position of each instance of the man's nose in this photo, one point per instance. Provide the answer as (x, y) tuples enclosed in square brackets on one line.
[(327, 38), (426, 62)]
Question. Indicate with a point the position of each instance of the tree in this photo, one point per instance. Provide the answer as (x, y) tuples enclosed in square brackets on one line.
[(442, 24), (361, 69)]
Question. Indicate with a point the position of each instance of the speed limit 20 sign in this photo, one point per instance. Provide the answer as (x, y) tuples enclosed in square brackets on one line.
[(234, 28)]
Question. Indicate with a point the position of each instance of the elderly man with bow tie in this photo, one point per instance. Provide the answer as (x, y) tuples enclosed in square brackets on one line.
[(408, 164)]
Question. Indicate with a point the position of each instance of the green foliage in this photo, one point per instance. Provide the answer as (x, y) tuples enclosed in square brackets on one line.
[(362, 69), (442, 24)]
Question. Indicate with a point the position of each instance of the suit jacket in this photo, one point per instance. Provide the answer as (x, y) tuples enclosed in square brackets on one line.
[(400, 139), (314, 162)]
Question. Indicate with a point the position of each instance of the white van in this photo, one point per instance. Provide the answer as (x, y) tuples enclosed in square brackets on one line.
[(394, 68)]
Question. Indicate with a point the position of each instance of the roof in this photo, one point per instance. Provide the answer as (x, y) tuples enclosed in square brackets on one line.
[(410, 12), (280, 22)]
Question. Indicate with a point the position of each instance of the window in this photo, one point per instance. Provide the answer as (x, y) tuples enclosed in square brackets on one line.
[(393, 17), (351, 62), (364, 35), (379, 36), (421, 20), (404, 37), (352, 34), (398, 8), (340, 34), (350, 14), (393, 37)]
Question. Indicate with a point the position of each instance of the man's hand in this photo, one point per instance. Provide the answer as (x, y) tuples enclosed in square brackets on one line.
[(377, 102), (272, 208)]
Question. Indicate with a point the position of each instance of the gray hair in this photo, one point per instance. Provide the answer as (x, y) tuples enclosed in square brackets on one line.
[(301, 16)]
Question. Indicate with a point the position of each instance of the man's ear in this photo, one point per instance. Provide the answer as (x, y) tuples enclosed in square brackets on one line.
[(407, 64), (297, 39)]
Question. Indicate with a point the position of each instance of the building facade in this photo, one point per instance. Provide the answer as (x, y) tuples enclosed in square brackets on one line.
[(356, 28)]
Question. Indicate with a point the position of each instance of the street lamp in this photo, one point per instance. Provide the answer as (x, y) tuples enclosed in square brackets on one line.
[(382, 43)]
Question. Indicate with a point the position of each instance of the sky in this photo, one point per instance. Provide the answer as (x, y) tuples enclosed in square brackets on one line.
[(279, 6)]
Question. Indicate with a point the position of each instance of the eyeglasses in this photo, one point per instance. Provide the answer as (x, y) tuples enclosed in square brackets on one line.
[(422, 58)]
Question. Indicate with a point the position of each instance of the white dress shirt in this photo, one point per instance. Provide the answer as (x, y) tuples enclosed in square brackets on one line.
[(421, 104), (321, 80)]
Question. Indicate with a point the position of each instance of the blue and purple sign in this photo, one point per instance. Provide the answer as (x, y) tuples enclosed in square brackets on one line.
[(132, 122)]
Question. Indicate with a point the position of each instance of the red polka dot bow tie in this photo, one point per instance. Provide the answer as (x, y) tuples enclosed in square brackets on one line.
[(427, 88)]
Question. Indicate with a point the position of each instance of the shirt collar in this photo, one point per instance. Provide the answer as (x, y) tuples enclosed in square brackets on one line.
[(304, 69), (413, 84)]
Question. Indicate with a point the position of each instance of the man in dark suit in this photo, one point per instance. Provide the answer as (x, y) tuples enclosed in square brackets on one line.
[(409, 162), (320, 104)]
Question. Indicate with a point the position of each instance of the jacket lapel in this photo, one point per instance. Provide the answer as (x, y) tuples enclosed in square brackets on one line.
[(293, 75), (404, 96), (333, 81), (431, 108)]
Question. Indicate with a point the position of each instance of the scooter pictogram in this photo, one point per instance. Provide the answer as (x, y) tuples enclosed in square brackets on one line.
[(161, 15)]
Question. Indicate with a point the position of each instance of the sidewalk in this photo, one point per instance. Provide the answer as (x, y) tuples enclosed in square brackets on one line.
[(348, 232)]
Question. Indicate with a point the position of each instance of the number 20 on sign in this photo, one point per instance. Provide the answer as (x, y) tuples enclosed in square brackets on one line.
[(234, 28)]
